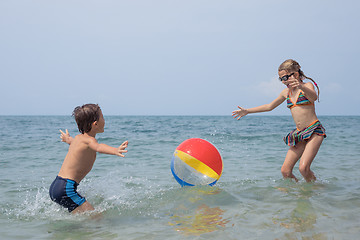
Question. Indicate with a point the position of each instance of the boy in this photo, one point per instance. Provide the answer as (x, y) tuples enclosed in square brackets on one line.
[(80, 158)]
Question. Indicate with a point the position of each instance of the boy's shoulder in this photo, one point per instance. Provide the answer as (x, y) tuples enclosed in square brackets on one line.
[(83, 138)]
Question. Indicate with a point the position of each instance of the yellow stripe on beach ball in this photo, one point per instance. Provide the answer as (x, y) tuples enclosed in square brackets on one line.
[(196, 164)]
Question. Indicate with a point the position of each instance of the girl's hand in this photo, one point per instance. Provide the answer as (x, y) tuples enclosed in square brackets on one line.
[(294, 83), (121, 149), (239, 113), (65, 137)]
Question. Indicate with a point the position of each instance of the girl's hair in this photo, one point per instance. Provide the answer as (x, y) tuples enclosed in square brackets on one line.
[(85, 116), (291, 66)]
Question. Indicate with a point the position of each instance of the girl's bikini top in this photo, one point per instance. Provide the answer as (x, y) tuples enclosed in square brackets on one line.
[(301, 100)]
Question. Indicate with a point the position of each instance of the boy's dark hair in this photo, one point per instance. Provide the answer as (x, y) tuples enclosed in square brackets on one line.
[(85, 116)]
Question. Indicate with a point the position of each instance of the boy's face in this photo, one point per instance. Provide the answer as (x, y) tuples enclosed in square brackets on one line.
[(100, 123)]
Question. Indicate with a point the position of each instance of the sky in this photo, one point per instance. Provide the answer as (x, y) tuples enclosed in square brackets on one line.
[(172, 57)]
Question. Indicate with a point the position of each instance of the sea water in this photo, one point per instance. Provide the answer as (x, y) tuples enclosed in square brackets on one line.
[(136, 197)]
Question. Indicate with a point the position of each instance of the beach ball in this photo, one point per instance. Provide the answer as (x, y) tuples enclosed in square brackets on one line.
[(196, 162)]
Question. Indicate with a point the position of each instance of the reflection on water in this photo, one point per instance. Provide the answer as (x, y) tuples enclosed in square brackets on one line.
[(203, 220), (194, 217), (302, 218)]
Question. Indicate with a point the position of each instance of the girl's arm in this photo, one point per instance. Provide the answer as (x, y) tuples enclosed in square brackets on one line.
[(106, 149), (309, 91), (263, 108), (307, 88), (65, 137)]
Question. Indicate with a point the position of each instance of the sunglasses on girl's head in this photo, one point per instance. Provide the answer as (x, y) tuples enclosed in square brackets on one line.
[(286, 77)]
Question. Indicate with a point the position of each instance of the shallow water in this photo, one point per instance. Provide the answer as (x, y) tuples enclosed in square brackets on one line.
[(137, 198)]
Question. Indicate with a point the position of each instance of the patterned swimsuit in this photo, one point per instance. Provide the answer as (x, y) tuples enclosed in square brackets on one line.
[(296, 135), (301, 100)]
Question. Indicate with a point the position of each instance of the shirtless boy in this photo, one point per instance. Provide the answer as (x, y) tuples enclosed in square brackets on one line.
[(80, 158)]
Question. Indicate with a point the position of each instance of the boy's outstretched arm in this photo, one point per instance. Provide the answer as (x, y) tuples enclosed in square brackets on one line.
[(65, 137), (103, 148)]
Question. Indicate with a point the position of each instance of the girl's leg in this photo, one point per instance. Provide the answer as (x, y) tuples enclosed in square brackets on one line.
[(311, 148), (291, 158)]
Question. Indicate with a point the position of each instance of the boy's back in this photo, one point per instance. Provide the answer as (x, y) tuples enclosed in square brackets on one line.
[(79, 159)]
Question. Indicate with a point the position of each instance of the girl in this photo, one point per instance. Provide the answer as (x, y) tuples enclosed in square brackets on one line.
[(305, 140)]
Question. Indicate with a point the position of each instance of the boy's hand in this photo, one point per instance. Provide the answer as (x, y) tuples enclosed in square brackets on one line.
[(121, 149), (65, 137)]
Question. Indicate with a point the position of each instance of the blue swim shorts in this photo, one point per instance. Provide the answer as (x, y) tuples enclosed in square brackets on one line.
[(63, 191)]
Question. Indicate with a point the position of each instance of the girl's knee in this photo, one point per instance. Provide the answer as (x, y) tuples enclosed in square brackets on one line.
[(304, 170), (286, 172)]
